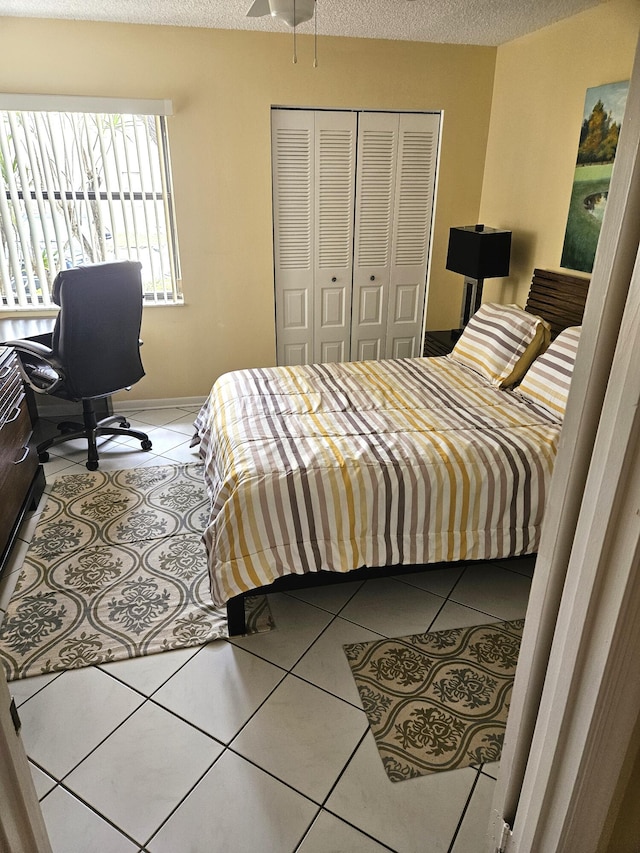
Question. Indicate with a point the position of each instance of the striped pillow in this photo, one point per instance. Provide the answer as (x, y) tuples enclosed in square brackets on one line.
[(500, 342), (547, 381)]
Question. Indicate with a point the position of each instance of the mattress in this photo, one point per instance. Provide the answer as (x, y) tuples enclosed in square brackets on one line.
[(376, 463)]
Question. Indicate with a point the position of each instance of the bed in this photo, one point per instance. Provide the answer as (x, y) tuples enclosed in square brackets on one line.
[(320, 472)]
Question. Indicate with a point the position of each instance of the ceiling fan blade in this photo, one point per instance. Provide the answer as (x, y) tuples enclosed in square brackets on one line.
[(259, 8)]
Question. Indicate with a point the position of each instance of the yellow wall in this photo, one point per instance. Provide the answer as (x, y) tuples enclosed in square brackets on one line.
[(223, 84), (536, 115)]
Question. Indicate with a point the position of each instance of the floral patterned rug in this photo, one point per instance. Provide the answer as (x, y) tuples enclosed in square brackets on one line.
[(116, 569), (438, 701)]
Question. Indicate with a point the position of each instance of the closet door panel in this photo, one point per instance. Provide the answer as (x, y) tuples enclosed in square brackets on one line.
[(375, 191), (405, 308), (292, 147), (331, 337), (335, 164), (295, 324), (412, 217), (370, 306), (369, 312)]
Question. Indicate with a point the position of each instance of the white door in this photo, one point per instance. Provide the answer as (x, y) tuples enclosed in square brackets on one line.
[(313, 162), (335, 159), (375, 196), (574, 709), (22, 828), (397, 155), (351, 242)]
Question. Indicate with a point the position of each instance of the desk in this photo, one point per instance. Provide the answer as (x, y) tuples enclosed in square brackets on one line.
[(19, 328)]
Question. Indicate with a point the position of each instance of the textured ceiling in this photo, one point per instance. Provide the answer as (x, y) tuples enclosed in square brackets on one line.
[(485, 22)]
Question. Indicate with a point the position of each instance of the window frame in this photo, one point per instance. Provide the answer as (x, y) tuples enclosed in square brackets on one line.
[(31, 234)]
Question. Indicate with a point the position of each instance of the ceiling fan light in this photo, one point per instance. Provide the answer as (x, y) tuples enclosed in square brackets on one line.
[(292, 12)]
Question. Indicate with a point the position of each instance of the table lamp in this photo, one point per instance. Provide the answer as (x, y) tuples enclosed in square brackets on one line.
[(477, 252)]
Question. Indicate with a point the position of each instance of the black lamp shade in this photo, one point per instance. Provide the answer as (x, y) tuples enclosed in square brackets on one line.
[(479, 252)]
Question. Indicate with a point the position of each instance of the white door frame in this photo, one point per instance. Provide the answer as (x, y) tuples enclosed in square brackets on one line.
[(22, 828), (577, 681)]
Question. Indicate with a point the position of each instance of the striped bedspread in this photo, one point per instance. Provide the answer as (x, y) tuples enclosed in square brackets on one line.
[(336, 466)]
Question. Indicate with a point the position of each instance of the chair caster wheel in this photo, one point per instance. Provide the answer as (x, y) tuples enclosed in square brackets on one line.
[(124, 424), (146, 444), (92, 465), (43, 457)]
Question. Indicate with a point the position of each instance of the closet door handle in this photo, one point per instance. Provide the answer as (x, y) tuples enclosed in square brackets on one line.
[(333, 278), (372, 278)]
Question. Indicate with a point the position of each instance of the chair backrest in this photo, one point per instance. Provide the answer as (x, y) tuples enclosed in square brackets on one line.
[(96, 336)]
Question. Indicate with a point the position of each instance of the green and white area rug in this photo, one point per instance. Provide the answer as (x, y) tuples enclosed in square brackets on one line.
[(116, 569), (438, 701)]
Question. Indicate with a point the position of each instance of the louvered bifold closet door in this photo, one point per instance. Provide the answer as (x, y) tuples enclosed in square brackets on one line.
[(397, 155), (292, 150), (375, 190), (335, 191), (313, 196), (412, 218)]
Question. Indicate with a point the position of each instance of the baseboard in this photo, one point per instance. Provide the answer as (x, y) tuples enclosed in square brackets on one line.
[(122, 404), (53, 407)]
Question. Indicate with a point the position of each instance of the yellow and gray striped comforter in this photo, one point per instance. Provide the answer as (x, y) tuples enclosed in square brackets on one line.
[(337, 466)]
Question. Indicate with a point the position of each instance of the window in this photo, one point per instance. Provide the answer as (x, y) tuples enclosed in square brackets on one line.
[(80, 187)]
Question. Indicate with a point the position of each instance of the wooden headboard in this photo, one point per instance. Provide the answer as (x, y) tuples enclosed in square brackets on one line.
[(558, 297)]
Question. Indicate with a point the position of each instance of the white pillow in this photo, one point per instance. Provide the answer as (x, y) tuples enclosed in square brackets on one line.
[(547, 381), (500, 342)]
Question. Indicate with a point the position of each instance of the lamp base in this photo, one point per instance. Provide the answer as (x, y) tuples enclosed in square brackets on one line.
[(471, 298)]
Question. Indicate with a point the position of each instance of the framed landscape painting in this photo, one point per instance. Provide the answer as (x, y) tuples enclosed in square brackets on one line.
[(603, 113)]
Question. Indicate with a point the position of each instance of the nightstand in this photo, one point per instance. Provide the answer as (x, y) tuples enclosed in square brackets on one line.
[(440, 342)]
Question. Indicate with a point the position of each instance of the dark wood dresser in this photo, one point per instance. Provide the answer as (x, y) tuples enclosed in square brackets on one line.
[(21, 477)]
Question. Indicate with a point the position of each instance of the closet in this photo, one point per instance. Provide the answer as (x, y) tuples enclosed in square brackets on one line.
[(353, 199)]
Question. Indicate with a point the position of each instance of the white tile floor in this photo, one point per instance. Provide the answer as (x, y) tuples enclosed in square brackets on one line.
[(254, 745)]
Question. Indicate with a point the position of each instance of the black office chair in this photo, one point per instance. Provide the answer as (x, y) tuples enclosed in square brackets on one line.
[(93, 351)]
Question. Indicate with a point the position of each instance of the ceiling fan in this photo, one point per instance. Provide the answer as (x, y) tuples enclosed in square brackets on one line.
[(292, 12)]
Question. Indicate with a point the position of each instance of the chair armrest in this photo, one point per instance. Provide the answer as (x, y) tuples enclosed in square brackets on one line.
[(33, 347), (41, 369)]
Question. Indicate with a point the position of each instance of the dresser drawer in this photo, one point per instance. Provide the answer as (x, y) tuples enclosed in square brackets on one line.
[(18, 457), (11, 389)]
